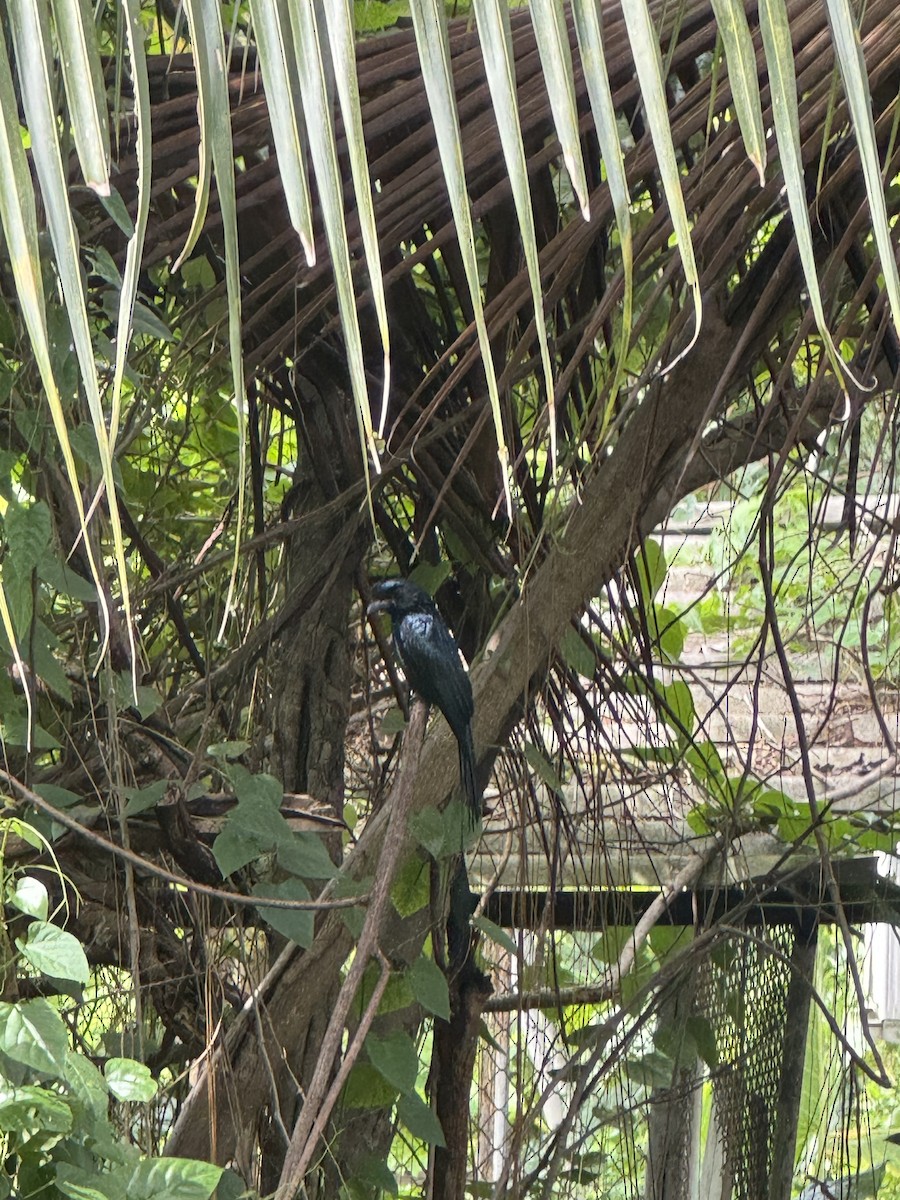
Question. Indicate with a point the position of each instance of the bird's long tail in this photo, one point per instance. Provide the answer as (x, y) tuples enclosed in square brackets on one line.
[(467, 775)]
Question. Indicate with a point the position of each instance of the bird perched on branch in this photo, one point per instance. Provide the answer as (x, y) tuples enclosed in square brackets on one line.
[(430, 660)]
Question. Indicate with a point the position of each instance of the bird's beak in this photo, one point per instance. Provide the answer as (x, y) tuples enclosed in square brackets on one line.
[(376, 607)]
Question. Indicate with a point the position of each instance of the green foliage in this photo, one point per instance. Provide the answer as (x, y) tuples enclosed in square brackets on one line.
[(297, 925), (543, 768), (57, 1138), (429, 986), (394, 1058), (255, 828), (177, 470), (419, 1119), (576, 654), (35, 579), (54, 952), (411, 889), (495, 933)]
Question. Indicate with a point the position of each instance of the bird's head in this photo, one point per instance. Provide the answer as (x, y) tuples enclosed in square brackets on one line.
[(399, 597)]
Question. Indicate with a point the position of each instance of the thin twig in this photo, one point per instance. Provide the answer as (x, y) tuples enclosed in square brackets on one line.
[(346, 1065)]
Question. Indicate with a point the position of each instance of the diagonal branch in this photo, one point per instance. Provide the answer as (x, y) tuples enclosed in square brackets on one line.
[(594, 540)]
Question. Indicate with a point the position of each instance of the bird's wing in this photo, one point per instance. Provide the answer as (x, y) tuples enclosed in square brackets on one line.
[(431, 661)]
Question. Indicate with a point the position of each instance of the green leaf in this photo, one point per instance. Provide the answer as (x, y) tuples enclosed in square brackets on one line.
[(593, 61), (140, 799), (429, 986), (740, 55), (85, 92), (297, 925), (775, 28), (651, 1070), (211, 58), (459, 832), (576, 654), (171, 1179), (848, 47), (59, 575), (55, 952), (57, 796), (14, 729), (28, 532), (431, 576), (263, 790), (711, 616), (551, 35), (115, 207), (795, 826), (411, 889), (635, 980), (17, 211), (87, 1084), (608, 948), (367, 1088), (231, 1186), (495, 35), (666, 939), (78, 1184), (278, 62), (23, 830), (669, 631), (648, 65), (255, 826), (375, 16), (706, 766), (542, 766), (427, 827), (18, 592), (310, 41), (227, 751), (421, 1122), (128, 1079), (697, 821), (679, 711), (495, 933), (340, 37), (32, 1032), (45, 663), (394, 1058), (28, 23), (430, 28), (145, 319), (30, 897), (396, 996), (235, 847), (376, 1174), (651, 567), (26, 1109), (304, 854), (145, 699)]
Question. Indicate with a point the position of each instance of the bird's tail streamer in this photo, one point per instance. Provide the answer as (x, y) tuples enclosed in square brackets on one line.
[(467, 775)]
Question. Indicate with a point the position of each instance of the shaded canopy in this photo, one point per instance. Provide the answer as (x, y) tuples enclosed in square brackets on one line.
[(631, 442)]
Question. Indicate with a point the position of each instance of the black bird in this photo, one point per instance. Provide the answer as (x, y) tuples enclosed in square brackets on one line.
[(430, 660)]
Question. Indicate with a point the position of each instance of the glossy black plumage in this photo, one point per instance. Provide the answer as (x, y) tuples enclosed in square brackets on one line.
[(430, 660)]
